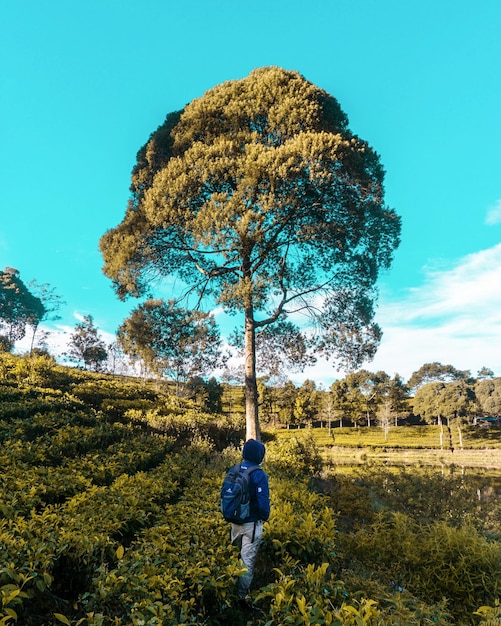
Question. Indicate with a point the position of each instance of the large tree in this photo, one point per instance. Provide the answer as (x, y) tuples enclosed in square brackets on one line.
[(258, 196)]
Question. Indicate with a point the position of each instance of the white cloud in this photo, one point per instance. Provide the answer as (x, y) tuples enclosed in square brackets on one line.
[(454, 317), (59, 337), (494, 214), (468, 289), (80, 317)]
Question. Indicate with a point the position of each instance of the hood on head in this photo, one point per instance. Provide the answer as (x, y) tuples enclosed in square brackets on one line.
[(253, 451)]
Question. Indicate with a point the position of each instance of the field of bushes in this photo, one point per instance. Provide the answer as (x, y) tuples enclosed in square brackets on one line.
[(416, 446), (109, 515)]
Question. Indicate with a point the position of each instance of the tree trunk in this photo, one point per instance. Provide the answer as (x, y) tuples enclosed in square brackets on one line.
[(252, 430), (32, 343)]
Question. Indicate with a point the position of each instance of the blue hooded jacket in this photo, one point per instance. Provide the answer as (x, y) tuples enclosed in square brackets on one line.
[(253, 454)]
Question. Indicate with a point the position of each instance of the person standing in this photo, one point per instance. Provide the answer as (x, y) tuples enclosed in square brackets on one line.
[(247, 536)]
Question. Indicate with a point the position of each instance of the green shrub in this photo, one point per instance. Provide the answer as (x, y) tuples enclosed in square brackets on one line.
[(109, 516), (306, 596), (193, 424), (301, 526), (431, 561), (350, 500), (294, 456), (95, 392), (489, 615)]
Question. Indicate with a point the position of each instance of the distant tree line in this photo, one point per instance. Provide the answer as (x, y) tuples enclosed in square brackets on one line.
[(162, 340), (435, 394)]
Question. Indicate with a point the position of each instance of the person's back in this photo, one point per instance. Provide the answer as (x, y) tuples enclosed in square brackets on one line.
[(248, 535)]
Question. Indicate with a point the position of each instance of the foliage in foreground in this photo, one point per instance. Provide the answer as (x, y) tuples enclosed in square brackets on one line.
[(110, 520)]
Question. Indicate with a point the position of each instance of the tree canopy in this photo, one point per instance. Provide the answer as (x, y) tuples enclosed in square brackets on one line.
[(436, 372), (281, 348), (488, 393), (19, 307), (259, 198), (171, 340), (86, 345), (437, 400)]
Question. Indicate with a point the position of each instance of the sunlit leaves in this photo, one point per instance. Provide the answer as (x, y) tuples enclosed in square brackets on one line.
[(258, 180), (86, 345), (488, 393), (171, 340), (258, 196), (436, 401), (18, 308)]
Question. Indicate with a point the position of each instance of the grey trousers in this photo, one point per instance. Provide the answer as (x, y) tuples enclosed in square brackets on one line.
[(248, 538)]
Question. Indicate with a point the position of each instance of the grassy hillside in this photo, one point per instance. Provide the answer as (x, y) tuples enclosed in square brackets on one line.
[(408, 437), (109, 515), (409, 446)]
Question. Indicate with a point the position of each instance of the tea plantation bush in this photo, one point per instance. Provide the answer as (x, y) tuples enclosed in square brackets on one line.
[(111, 518)]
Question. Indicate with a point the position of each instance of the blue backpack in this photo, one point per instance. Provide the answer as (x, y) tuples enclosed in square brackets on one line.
[(235, 495)]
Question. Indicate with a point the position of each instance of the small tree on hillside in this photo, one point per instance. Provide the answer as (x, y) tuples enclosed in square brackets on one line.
[(392, 394), (265, 397), (207, 394), (458, 402), (307, 403), (86, 346), (51, 302), (484, 373), (364, 387), (258, 196), (118, 361), (171, 341), (285, 401), (340, 402), (359, 395), (440, 402), (18, 308)]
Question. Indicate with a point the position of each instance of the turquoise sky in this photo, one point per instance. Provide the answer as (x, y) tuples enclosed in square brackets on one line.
[(84, 84)]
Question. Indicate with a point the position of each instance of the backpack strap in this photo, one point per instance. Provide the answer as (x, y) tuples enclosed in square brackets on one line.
[(249, 471)]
